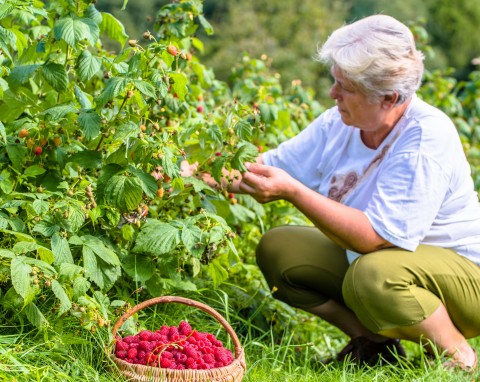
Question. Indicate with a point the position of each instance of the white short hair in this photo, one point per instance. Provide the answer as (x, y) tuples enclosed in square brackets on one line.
[(378, 54)]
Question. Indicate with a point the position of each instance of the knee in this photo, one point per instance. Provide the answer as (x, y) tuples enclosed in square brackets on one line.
[(365, 281), (269, 248)]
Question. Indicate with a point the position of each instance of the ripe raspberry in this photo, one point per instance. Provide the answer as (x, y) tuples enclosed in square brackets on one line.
[(184, 328), (167, 355), (190, 362), (145, 335), (166, 363), (146, 346), (122, 354), (132, 353), (121, 345), (209, 358), (155, 337), (172, 331)]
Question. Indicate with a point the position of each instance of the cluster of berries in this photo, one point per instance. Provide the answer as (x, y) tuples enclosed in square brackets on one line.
[(174, 347)]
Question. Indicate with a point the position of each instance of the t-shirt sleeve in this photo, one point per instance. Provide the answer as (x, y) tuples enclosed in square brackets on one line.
[(411, 188), (300, 155)]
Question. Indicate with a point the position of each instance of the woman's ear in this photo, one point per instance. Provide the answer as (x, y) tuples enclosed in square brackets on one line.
[(389, 100)]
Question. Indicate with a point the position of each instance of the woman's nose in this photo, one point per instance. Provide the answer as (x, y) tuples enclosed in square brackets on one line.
[(333, 92)]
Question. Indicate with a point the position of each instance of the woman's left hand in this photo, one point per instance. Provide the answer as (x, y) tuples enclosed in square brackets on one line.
[(267, 183)]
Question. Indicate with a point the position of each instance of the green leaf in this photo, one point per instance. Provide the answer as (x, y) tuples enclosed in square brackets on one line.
[(179, 85), (87, 159), (33, 171), (35, 316), (40, 206), (243, 130), (145, 88), (215, 133), (72, 30), (246, 153), (138, 267), (59, 292), (217, 272), (21, 74), (55, 75), (113, 87), (61, 250), (82, 98), (76, 216), (69, 271), (58, 112), (88, 65), (124, 192), (3, 132), (99, 248), (22, 247), (90, 123), (157, 238), (80, 286), (17, 155), (217, 167), (205, 24), (113, 28), (192, 239), (149, 184), (21, 280)]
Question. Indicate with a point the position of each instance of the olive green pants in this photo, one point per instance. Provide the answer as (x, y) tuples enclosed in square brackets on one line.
[(386, 289)]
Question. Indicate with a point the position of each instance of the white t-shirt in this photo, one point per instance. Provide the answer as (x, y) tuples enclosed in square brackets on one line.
[(415, 188)]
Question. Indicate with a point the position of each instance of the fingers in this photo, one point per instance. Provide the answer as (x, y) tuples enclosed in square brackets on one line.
[(259, 169)]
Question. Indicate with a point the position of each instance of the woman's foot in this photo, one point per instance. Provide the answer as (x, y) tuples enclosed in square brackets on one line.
[(361, 350)]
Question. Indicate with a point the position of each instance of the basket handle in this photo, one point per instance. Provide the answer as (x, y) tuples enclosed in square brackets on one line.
[(186, 301)]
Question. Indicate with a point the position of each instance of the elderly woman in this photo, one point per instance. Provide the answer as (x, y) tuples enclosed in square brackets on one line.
[(395, 251)]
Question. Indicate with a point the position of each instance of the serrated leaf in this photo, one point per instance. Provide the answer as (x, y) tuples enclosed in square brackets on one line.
[(80, 286), (246, 153), (33, 171), (58, 112), (76, 217), (179, 85), (157, 238), (22, 247), (99, 248), (17, 155), (217, 272), (21, 280), (59, 292), (88, 65), (35, 316), (55, 75), (87, 159), (192, 239), (145, 88), (138, 267), (61, 250), (243, 130), (124, 192), (82, 98), (72, 30), (217, 168), (113, 28), (21, 74), (149, 184), (5, 9), (90, 123), (215, 133), (113, 87), (21, 42), (40, 206), (45, 254), (69, 271), (205, 24)]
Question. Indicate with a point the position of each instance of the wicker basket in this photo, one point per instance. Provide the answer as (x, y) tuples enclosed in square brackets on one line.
[(134, 372)]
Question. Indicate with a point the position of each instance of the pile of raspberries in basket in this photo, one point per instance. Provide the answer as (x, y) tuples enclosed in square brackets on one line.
[(174, 347)]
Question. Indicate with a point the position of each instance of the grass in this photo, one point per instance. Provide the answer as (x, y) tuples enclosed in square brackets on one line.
[(67, 353)]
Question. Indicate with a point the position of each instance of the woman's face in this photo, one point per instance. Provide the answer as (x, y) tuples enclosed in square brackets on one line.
[(354, 106)]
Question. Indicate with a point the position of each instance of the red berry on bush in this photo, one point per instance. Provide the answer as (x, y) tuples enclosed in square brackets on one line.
[(200, 108), (38, 151), (23, 133), (172, 49)]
